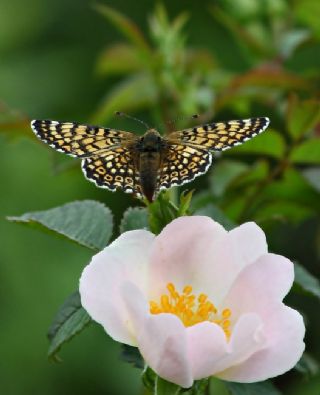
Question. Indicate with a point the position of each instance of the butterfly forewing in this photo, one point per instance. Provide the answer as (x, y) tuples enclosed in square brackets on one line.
[(113, 169), (182, 164), (221, 135), (79, 140)]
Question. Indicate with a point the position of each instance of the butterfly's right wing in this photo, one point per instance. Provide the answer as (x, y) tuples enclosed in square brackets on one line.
[(182, 164), (188, 152), (219, 136), (107, 156), (79, 140), (114, 169)]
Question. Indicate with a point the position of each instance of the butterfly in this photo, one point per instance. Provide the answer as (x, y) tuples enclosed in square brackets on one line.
[(145, 165)]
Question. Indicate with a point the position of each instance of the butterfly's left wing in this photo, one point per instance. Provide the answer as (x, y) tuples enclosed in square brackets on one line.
[(107, 155), (113, 169), (79, 140), (220, 136), (181, 164)]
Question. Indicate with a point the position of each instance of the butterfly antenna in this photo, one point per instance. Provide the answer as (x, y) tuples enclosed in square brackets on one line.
[(173, 121), (123, 114)]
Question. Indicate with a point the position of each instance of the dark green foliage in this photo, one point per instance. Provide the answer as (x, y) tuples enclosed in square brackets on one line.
[(88, 223), (163, 387), (132, 355), (162, 211), (264, 388), (306, 281), (246, 59), (307, 365), (134, 218), (70, 320)]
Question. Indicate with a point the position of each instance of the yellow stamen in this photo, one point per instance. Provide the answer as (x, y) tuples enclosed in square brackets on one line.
[(191, 309), (226, 313), (187, 290)]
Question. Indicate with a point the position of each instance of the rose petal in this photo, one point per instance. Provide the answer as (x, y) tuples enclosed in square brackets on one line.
[(284, 332), (247, 337), (161, 338), (180, 253), (231, 254), (136, 304), (163, 344), (260, 285), (126, 259), (207, 344)]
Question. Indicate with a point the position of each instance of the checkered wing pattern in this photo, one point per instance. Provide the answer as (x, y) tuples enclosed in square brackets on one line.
[(79, 140), (113, 170), (181, 164), (221, 135)]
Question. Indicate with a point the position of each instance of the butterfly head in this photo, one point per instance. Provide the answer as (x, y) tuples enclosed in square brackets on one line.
[(151, 141)]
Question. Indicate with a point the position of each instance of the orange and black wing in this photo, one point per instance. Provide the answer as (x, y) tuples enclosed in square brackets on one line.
[(114, 169), (220, 136), (189, 151), (181, 164), (79, 140), (106, 155)]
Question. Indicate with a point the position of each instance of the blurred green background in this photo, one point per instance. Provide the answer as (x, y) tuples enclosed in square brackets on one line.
[(81, 61)]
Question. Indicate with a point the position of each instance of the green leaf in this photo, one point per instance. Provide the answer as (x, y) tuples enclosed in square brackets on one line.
[(124, 25), (247, 42), (307, 12), (302, 116), (185, 201), (120, 59), (149, 378), (201, 199), (134, 218), (132, 94), (307, 365), (132, 355), (224, 173), (283, 210), (307, 152), (87, 222), (161, 213), (266, 77), (306, 281), (312, 175), (268, 143), (68, 322), (262, 388), (200, 387), (253, 175), (292, 187), (164, 387), (212, 211), (291, 40)]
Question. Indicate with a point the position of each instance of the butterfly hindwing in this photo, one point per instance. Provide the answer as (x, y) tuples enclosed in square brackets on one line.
[(220, 136), (113, 170), (182, 164), (78, 140)]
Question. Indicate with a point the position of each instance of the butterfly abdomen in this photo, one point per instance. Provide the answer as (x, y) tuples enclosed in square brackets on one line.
[(150, 147), (149, 166)]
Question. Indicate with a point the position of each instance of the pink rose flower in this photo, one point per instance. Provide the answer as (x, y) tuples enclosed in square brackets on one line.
[(197, 301)]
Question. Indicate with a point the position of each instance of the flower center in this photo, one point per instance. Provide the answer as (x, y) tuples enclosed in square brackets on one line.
[(191, 309)]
